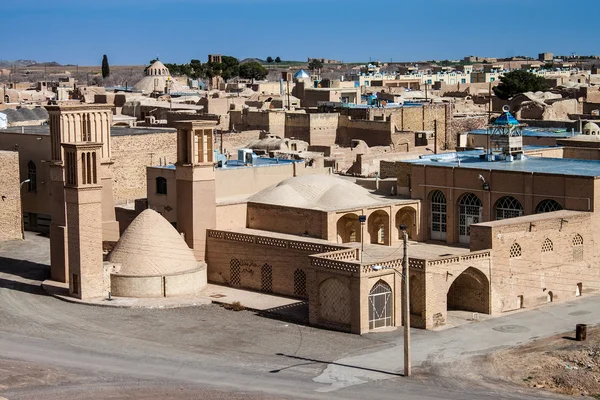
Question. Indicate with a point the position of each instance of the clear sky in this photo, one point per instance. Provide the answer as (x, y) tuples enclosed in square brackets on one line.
[(136, 31)]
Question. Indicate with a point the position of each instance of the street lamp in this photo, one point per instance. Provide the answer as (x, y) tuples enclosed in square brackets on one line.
[(362, 219), (405, 298), (21, 196)]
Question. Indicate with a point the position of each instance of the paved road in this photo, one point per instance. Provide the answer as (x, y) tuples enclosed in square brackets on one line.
[(209, 348)]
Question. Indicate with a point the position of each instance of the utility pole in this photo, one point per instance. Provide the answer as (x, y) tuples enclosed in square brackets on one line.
[(406, 304), (435, 136)]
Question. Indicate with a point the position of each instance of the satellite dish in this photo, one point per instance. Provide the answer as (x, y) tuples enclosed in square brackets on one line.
[(505, 109)]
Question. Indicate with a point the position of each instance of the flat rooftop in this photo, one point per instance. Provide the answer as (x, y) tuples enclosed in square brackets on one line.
[(233, 164), (533, 131), (473, 159), (372, 252), (44, 130)]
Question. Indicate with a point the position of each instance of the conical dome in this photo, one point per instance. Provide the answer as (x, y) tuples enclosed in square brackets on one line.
[(151, 246)]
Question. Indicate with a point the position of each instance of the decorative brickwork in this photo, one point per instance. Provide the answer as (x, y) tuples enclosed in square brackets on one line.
[(516, 251), (266, 278), (234, 272), (547, 246), (300, 283)]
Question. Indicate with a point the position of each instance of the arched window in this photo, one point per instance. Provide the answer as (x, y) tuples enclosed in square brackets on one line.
[(380, 305), (515, 250), (548, 205), (508, 207), (161, 185), (438, 215), (547, 246), (469, 212), (32, 176), (577, 248), (299, 283)]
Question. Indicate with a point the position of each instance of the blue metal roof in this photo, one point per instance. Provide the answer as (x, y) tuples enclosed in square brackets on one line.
[(473, 159), (301, 74), (506, 119), (535, 132)]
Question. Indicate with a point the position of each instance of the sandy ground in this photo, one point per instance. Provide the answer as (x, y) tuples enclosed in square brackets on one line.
[(558, 364), (21, 380)]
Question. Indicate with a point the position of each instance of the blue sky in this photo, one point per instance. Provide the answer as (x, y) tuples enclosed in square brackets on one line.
[(135, 31)]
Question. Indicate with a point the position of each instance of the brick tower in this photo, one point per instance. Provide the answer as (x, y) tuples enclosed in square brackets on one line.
[(195, 175), (71, 124), (83, 196)]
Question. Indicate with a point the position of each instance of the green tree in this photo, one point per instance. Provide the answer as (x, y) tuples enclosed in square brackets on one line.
[(105, 67), (315, 64), (253, 70), (277, 60), (269, 59), (517, 82)]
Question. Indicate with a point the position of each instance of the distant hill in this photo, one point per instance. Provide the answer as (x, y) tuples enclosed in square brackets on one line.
[(26, 63), (247, 60)]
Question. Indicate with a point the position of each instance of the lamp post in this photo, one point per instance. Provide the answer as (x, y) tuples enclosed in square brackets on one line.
[(362, 219), (21, 196), (405, 299)]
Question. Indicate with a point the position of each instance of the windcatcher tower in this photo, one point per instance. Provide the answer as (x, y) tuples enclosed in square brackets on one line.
[(75, 123), (83, 195), (195, 175)]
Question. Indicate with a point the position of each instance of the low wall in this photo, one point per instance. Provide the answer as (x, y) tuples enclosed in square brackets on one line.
[(185, 283)]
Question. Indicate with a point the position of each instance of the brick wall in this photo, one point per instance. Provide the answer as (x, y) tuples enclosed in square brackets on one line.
[(537, 255), (294, 221), (131, 155), (10, 211)]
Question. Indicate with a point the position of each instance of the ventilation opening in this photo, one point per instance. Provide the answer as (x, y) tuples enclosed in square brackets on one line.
[(75, 283)]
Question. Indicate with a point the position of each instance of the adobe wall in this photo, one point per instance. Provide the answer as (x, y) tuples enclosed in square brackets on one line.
[(318, 129), (250, 253), (373, 133), (571, 192), (290, 220), (532, 258), (270, 121), (236, 182), (10, 212), (131, 155), (297, 126), (232, 215)]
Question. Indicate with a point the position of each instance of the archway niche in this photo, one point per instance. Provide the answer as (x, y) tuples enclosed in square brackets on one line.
[(379, 227), (406, 216), (348, 229), (470, 291)]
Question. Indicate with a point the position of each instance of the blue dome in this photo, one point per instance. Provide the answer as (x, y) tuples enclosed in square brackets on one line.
[(506, 119), (301, 74)]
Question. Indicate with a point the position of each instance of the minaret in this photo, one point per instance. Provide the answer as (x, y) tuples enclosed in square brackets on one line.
[(83, 195), (195, 174), (70, 124)]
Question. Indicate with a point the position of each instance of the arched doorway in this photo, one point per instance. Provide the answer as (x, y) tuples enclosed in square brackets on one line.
[(470, 291), (469, 212), (379, 226), (438, 216), (380, 306), (348, 229), (406, 216)]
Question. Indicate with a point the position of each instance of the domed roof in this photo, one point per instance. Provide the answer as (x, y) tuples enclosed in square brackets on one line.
[(151, 246), (316, 192), (591, 128), (301, 74), (157, 65)]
